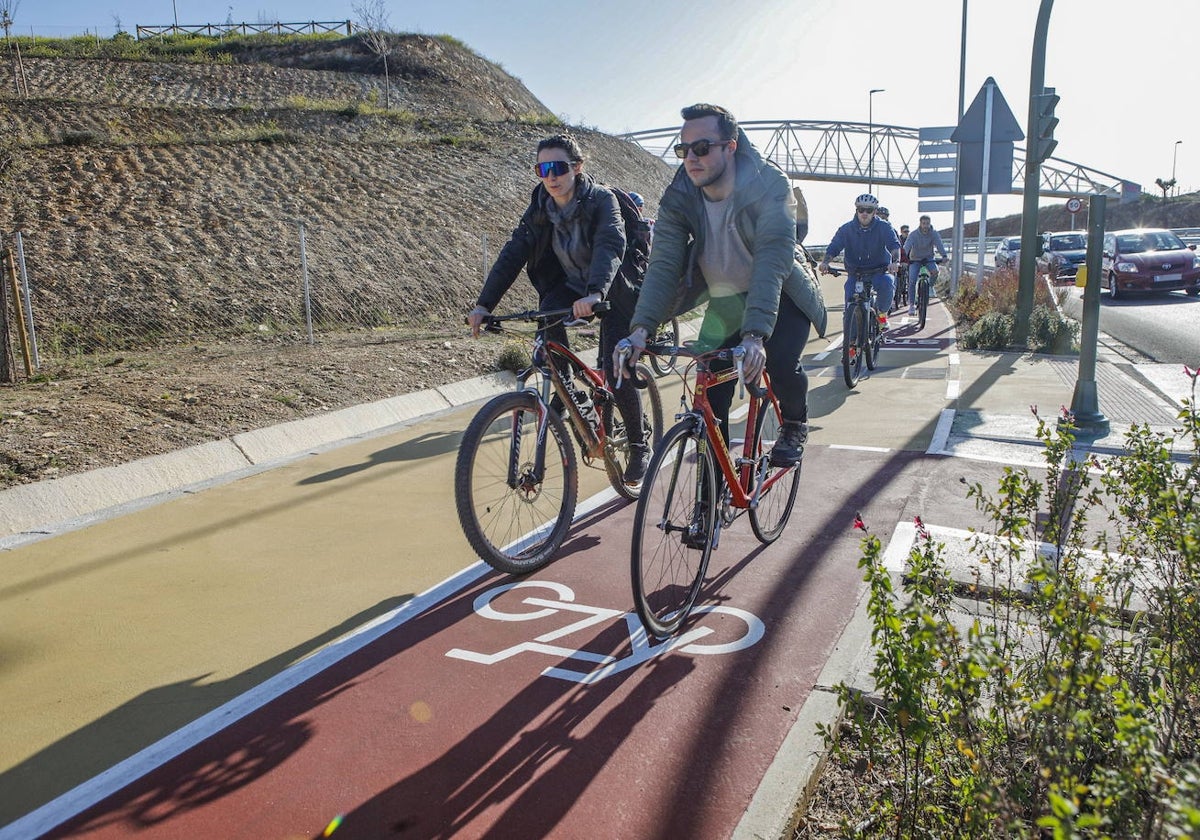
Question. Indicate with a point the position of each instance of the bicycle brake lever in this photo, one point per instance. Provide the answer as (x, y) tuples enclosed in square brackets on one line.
[(624, 350), (738, 354)]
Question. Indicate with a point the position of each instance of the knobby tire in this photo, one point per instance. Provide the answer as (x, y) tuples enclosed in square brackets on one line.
[(853, 343)]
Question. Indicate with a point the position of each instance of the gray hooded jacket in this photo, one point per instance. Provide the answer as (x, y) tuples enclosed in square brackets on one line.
[(764, 214)]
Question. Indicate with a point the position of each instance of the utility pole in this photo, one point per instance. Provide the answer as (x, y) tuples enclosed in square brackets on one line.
[(1034, 148), (956, 235), (871, 138)]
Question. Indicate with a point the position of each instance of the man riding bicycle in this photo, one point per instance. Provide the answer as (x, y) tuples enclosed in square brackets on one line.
[(872, 253), (920, 247), (727, 231)]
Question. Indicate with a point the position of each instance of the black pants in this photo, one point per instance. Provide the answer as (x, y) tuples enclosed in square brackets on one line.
[(614, 325), (722, 327)]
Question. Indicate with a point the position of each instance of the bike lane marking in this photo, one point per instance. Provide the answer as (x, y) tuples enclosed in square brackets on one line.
[(508, 745)]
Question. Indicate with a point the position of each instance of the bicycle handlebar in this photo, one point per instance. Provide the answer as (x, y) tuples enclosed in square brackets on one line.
[(492, 322)]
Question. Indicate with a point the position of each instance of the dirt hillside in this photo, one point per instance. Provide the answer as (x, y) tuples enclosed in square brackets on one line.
[(163, 206)]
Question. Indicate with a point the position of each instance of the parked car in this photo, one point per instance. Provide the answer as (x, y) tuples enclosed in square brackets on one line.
[(1008, 252), (1063, 255), (1149, 260)]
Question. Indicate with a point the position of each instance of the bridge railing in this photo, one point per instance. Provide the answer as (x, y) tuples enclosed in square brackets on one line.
[(853, 152), (224, 30)]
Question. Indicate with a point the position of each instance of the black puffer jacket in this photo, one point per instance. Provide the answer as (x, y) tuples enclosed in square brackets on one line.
[(530, 246)]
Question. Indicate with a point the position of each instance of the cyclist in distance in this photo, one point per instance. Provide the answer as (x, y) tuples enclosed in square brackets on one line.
[(726, 232), (641, 205), (872, 251), (570, 241), (920, 247)]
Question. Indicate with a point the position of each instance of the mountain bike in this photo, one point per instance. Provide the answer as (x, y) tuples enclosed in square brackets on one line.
[(926, 276), (862, 335), (901, 297), (695, 486), (666, 339), (516, 481)]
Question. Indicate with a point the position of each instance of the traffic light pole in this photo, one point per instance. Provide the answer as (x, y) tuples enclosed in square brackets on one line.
[(1033, 177)]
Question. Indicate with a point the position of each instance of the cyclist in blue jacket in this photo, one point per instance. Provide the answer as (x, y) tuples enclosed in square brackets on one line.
[(872, 251)]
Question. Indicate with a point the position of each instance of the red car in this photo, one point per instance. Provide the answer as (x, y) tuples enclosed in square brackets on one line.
[(1149, 260)]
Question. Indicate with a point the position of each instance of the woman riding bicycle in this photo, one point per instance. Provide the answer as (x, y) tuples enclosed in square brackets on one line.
[(571, 241), (872, 253)]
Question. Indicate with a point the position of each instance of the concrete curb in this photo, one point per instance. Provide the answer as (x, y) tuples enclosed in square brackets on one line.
[(34, 511), (790, 780)]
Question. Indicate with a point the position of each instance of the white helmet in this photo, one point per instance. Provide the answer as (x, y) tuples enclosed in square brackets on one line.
[(866, 200)]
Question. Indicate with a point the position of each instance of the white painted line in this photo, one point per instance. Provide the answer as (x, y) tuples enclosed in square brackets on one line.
[(836, 344), (952, 389), (103, 785), (859, 448), (952, 359), (941, 433), (100, 787), (895, 556)]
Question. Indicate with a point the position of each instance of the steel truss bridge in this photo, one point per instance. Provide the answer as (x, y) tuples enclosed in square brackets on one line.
[(862, 153)]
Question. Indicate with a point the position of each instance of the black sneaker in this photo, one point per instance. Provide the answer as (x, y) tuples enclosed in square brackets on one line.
[(639, 460), (789, 448)]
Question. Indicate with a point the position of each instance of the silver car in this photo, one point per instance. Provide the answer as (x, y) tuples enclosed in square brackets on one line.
[(1008, 252)]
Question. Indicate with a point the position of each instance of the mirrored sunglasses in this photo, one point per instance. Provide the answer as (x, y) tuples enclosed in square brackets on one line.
[(698, 147), (552, 167)]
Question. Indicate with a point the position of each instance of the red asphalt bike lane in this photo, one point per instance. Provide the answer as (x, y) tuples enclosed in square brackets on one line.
[(535, 707)]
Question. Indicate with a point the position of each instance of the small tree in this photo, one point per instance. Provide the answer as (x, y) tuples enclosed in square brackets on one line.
[(377, 35), (8, 11), (1165, 186)]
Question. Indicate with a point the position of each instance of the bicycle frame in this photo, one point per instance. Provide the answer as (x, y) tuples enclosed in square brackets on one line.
[(738, 473)]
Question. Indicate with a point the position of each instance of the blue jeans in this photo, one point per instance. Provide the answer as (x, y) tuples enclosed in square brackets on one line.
[(914, 271), (883, 283)]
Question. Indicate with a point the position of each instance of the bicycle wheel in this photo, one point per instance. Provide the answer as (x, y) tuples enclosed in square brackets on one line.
[(922, 302), (616, 453), (853, 342), (769, 517), (667, 336), (673, 529), (874, 338), (515, 519)]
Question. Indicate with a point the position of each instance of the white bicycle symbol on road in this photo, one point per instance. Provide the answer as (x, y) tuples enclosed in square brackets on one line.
[(642, 649)]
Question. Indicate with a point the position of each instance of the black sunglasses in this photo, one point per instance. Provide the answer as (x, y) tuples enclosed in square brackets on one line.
[(699, 147), (868, 210), (552, 167)]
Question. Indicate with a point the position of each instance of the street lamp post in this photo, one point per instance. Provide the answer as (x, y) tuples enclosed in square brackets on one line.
[(871, 138), (1174, 157)]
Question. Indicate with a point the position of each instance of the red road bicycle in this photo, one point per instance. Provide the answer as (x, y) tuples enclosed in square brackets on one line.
[(516, 481), (695, 486)]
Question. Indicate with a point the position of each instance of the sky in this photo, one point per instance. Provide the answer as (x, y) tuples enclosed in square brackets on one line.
[(1125, 71)]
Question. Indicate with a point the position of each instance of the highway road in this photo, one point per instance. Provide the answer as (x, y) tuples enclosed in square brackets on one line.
[(1164, 327)]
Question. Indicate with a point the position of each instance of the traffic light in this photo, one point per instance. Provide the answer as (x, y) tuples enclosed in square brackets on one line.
[(1043, 142)]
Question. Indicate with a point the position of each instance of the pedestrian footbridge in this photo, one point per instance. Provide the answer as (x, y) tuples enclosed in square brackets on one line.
[(863, 153)]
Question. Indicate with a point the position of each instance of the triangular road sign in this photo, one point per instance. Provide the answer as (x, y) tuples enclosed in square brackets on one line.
[(1005, 128)]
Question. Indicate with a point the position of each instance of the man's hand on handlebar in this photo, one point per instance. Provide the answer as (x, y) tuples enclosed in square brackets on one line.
[(475, 319), (629, 350), (755, 358), (823, 267)]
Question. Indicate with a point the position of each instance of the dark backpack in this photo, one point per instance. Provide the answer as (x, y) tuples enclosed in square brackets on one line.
[(628, 283)]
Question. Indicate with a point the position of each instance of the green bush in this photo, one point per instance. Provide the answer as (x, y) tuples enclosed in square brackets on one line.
[(993, 331), (514, 356), (1066, 702), (1051, 333)]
